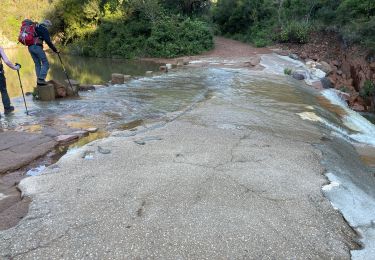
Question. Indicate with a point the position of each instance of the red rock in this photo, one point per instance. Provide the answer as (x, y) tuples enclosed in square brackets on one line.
[(349, 82), (345, 68), (60, 89), (163, 68), (372, 65), (343, 95), (335, 63), (361, 79), (358, 107), (333, 79), (303, 55)]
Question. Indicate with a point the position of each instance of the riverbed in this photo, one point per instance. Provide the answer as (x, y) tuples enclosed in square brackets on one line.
[(272, 102)]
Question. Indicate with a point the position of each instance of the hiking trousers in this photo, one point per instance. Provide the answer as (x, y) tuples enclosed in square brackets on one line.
[(40, 60), (4, 92)]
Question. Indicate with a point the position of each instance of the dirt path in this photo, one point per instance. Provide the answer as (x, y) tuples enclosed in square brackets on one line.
[(227, 48), (224, 49)]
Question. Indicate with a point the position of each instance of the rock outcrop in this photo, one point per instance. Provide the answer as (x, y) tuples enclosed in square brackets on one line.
[(347, 68)]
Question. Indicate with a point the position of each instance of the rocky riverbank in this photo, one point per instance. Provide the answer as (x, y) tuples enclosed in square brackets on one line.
[(349, 69)]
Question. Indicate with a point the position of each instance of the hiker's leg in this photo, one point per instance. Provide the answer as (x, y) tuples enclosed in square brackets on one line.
[(45, 64), (4, 92), (33, 51)]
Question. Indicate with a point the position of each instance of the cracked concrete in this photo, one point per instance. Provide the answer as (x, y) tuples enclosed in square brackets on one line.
[(198, 191)]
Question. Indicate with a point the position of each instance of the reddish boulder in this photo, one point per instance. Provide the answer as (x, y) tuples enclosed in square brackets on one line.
[(335, 63), (358, 107), (60, 89)]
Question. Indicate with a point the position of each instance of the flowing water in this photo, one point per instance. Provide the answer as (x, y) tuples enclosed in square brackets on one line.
[(348, 153)]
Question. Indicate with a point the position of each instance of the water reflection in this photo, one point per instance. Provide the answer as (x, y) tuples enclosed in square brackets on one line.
[(85, 70)]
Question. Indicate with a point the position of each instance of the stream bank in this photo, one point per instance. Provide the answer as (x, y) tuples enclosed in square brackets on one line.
[(348, 67)]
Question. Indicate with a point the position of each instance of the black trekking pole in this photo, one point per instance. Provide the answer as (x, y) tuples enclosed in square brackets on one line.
[(66, 74), (23, 94)]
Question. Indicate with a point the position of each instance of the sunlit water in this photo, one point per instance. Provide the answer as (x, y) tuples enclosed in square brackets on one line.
[(84, 70), (275, 101)]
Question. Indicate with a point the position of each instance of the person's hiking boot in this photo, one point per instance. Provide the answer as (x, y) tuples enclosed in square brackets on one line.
[(8, 110), (41, 82)]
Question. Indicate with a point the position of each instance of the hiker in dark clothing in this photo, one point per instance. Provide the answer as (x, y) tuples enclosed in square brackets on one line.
[(38, 54), (8, 108)]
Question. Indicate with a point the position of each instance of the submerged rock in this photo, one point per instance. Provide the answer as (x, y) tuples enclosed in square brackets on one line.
[(326, 83), (86, 87), (118, 78), (103, 151), (254, 61), (92, 129), (293, 56), (163, 68), (61, 139), (299, 75)]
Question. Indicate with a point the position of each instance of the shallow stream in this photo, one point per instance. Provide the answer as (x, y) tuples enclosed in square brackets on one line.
[(349, 154)]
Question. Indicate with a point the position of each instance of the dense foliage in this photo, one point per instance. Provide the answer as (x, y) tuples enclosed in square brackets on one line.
[(118, 28), (14, 11), (264, 21), (170, 28)]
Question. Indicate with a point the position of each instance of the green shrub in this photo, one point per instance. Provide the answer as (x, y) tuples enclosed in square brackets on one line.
[(344, 89), (295, 32), (288, 71), (368, 89), (171, 39)]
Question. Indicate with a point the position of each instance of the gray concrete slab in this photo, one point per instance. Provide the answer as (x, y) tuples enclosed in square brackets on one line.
[(216, 183)]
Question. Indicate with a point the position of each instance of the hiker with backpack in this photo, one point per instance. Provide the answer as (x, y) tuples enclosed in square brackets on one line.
[(33, 35), (8, 108)]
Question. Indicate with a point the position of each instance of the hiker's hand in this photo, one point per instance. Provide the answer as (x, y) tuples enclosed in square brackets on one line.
[(57, 52), (18, 66)]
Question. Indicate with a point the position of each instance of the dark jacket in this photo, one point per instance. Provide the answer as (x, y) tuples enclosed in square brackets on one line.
[(43, 35)]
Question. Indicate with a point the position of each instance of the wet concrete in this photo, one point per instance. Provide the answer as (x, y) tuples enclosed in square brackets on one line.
[(42, 151), (233, 177), (174, 188)]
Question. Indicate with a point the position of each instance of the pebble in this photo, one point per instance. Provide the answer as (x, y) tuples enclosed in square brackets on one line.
[(103, 151)]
